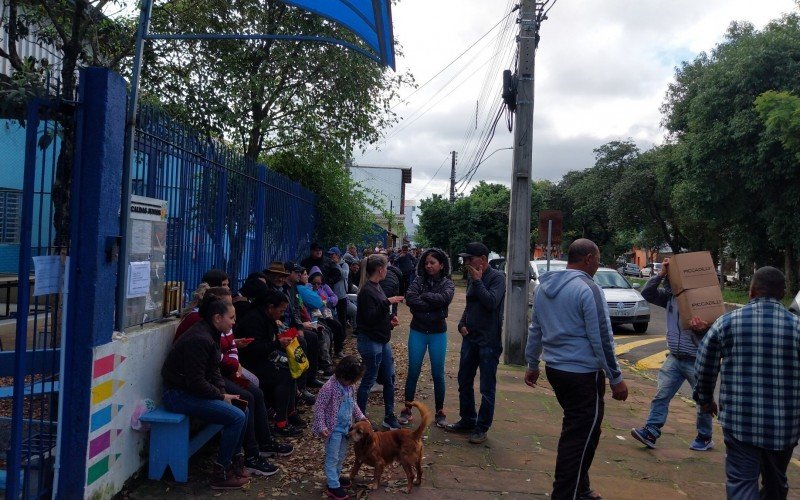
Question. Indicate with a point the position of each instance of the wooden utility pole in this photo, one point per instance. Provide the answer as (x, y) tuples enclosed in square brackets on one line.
[(453, 177), (519, 220)]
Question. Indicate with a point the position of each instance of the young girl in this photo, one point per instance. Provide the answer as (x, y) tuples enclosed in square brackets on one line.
[(334, 412)]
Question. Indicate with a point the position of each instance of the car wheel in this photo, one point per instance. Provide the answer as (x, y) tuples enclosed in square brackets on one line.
[(640, 327)]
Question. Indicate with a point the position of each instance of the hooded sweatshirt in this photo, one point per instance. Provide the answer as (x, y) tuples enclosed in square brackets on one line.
[(571, 326), (428, 298), (681, 343)]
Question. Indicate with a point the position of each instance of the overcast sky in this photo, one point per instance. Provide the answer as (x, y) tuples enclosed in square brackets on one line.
[(602, 70)]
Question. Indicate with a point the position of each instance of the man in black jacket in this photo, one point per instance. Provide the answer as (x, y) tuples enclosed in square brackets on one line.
[(480, 326)]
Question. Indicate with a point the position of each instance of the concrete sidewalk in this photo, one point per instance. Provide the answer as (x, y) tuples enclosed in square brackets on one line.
[(518, 459)]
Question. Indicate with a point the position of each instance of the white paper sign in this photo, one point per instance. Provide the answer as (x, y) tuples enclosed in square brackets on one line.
[(141, 236), (138, 279), (47, 272)]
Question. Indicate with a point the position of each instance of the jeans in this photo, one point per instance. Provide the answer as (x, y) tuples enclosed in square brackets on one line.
[(474, 356), (213, 411), (581, 397), (743, 464), (436, 345), (336, 445), (670, 378), (377, 357)]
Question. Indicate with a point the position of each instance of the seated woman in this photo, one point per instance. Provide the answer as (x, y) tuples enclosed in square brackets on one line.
[(193, 385), (329, 300), (266, 356)]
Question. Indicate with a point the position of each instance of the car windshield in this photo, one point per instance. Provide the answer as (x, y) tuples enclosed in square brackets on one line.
[(607, 278), (541, 265)]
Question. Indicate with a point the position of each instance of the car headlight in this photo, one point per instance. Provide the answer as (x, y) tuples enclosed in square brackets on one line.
[(642, 303)]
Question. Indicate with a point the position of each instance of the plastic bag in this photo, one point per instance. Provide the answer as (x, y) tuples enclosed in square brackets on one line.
[(298, 362)]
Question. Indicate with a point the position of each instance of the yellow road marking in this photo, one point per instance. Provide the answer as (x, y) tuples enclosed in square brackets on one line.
[(622, 349), (652, 362), (796, 462)]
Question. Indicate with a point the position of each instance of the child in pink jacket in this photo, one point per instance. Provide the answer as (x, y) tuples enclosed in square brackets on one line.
[(334, 413)]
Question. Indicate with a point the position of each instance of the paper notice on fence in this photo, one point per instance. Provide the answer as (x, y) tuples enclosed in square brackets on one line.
[(141, 236), (138, 279), (47, 272)]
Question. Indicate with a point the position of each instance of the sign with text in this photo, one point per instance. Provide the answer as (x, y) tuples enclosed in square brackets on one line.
[(544, 217)]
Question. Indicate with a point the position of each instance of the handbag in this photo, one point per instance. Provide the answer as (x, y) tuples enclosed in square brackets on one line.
[(298, 362)]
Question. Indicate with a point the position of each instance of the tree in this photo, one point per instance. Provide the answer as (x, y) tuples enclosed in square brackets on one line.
[(737, 176), (434, 223)]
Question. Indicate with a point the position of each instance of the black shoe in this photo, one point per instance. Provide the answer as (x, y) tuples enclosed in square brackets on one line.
[(461, 427), (337, 493), (345, 482), (315, 384), (296, 421), (327, 372), (258, 466), (274, 448), (288, 431), (307, 398)]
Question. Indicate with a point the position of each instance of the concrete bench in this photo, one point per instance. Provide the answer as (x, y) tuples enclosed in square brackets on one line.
[(170, 444)]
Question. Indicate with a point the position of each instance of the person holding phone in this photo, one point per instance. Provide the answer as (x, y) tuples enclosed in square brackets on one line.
[(375, 323), (193, 385)]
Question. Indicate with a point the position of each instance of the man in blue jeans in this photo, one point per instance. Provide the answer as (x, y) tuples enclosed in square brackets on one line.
[(756, 352), (480, 327), (677, 368)]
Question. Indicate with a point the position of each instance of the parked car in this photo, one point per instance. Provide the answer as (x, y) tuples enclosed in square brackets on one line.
[(625, 304), (630, 269), (795, 305), (537, 268), (650, 269)]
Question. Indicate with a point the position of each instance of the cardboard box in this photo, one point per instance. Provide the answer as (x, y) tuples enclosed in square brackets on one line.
[(706, 303), (691, 270)]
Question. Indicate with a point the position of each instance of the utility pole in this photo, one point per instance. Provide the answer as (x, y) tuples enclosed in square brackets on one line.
[(453, 178), (519, 220)]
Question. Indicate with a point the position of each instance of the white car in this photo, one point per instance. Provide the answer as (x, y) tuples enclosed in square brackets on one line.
[(538, 267), (795, 305), (625, 304)]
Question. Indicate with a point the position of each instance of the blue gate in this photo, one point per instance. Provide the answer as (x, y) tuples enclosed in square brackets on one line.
[(28, 436)]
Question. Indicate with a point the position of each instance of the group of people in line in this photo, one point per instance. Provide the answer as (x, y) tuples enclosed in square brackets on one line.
[(228, 364)]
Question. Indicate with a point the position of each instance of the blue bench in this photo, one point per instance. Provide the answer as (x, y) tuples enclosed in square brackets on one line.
[(170, 444), (39, 388)]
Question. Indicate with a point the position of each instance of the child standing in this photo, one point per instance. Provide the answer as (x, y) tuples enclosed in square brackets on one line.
[(334, 412)]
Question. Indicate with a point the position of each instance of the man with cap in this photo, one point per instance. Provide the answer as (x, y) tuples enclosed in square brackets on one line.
[(480, 328), (315, 259), (336, 273)]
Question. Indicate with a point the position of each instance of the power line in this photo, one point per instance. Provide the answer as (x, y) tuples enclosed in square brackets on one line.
[(431, 179)]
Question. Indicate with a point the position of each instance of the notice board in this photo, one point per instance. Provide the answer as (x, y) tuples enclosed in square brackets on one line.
[(146, 267)]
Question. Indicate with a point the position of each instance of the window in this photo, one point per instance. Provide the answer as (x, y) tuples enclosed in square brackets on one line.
[(10, 213)]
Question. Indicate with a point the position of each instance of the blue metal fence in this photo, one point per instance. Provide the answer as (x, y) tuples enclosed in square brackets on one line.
[(28, 434), (225, 211)]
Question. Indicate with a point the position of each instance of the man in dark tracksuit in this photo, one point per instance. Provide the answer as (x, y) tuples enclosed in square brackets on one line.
[(480, 326)]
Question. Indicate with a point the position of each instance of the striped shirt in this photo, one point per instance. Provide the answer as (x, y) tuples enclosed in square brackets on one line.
[(756, 352)]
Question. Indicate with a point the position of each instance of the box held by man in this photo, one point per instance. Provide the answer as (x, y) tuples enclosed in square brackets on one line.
[(706, 303), (691, 270)]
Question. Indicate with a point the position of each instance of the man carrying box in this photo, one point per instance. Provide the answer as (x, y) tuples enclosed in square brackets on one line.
[(756, 352), (678, 367)]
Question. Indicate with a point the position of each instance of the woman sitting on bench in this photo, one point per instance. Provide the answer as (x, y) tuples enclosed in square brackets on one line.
[(193, 385)]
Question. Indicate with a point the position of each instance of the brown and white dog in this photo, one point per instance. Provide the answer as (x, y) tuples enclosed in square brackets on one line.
[(381, 449)]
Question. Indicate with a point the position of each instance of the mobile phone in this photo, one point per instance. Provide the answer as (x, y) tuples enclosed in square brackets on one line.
[(244, 342), (240, 403)]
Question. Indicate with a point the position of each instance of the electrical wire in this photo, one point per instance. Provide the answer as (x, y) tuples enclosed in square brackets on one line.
[(414, 197)]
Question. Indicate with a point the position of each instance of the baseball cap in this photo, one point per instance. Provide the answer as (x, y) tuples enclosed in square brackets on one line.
[(291, 267), (335, 250), (475, 249), (349, 259)]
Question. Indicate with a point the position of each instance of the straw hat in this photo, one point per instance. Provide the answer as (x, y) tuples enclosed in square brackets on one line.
[(276, 268)]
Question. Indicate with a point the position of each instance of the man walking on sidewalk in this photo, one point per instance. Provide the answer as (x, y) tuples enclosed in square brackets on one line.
[(758, 349), (571, 330), (480, 327), (678, 366)]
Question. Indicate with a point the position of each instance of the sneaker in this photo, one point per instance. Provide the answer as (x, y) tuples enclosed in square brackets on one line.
[(315, 384), (308, 398), (460, 427), (326, 372), (337, 493), (288, 431), (405, 417), (644, 436), (440, 419), (274, 448), (260, 466), (391, 422), (477, 437), (345, 482), (296, 421), (701, 443), (223, 478)]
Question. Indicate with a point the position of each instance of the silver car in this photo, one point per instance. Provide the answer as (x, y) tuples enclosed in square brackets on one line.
[(625, 304)]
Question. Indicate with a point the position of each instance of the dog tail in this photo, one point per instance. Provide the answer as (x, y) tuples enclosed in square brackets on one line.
[(425, 419)]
